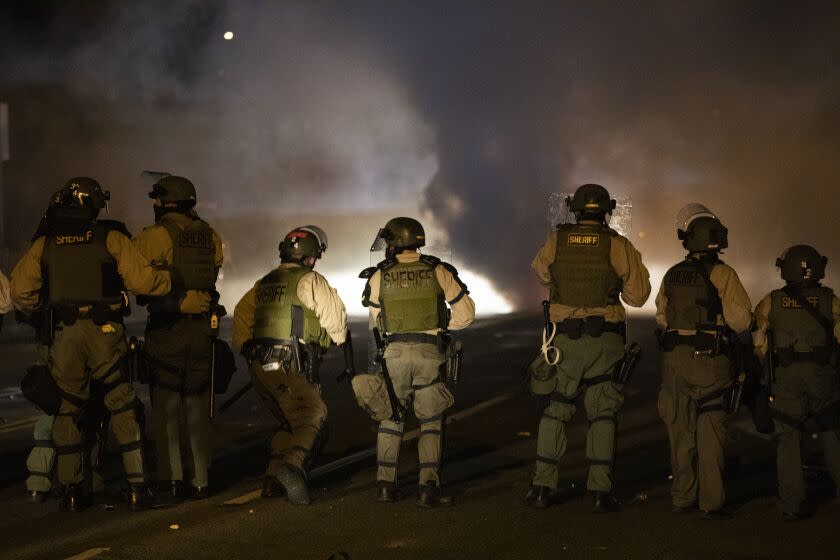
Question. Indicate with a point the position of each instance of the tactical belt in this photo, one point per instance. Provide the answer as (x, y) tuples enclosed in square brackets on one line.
[(99, 313), (162, 320), (703, 342), (419, 338), (594, 326), (820, 355)]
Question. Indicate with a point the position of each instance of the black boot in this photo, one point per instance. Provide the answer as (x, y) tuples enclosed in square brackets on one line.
[(140, 497), (431, 496), (540, 496), (294, 481), (605, 502), (388, 493), (36, 496), (74, 499), (272, 488), (170, 492), (200, 493)]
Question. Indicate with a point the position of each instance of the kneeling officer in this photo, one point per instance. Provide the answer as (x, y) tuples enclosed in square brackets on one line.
[(283, 324), (78, 273)]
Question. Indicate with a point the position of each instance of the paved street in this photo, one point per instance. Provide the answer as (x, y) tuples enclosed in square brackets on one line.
[(490, 445)]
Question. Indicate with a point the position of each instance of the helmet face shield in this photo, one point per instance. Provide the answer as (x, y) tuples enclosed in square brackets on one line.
[(379, 242), (319, 233), (691, 212)]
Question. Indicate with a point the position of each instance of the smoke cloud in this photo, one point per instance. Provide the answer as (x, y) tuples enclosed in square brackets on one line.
[(468, 114)]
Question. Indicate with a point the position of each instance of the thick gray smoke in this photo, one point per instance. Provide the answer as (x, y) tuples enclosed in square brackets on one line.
[(344, 115)]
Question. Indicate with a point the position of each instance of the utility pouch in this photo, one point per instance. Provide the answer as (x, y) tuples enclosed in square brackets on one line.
[(312, 363), (594, 325), (39, 388), (372, 395), (89, 416), (224, 365), (784, 356), (297, 321), (573, 328)]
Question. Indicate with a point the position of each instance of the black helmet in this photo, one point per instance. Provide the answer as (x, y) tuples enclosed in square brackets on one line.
[(82, 192), (700, 230), (301, 242), (591, 199), (800, 263), (403, 233), (171, 189)]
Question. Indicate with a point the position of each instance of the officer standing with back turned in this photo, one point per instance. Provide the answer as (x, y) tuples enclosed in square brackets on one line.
[(78, 273), (701, 311), (283, 325), (407, 295), (803, 321), (587, 266), (179, 333)]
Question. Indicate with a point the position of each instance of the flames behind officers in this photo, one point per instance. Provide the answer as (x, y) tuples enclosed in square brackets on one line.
[(78, 273), (179, 333), (587, 267), (283, 324)]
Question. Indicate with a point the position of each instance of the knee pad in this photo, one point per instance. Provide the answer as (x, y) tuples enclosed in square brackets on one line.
[(432, 400)]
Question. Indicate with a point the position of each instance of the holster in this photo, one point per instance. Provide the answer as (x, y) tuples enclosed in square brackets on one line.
[(39, 388), (224, 365)]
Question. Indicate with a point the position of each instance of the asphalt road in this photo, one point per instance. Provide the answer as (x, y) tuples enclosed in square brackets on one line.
[(489, 451)]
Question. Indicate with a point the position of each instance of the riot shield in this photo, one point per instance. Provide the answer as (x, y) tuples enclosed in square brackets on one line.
[(620, 219)]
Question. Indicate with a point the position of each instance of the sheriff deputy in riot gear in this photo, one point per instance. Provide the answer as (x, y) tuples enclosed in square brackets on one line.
[(804, 319), (78, 273), (179, 333), (407, 295), (282, 325), (587, 266), (701, 308)]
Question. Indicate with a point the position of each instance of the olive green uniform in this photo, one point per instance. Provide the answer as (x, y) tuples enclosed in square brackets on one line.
[(83, 280), (587, 267), (407, 296), (178, 341), (696, 376), (265, 317), (806, 380)]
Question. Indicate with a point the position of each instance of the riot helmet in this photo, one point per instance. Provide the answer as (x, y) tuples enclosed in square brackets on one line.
[(174, 189), (400, 233), (300, 244), (801, 263), (700, 230), (73, 207), (82, 192), (591, 199)]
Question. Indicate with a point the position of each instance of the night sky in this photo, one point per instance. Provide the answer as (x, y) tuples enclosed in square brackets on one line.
[(466, 114)]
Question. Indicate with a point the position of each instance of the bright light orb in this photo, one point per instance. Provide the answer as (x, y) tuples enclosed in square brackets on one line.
[(228, 35)]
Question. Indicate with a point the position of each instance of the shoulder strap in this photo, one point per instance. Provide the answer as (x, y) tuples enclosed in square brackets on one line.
[(826, 323), (714, 303)]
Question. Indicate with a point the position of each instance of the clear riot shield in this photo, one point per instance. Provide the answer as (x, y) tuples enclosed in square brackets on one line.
[(377, 255), (620, 220)]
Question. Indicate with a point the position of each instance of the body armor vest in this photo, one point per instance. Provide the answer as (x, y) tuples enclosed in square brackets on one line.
[(193, 255), (280, 314), (411, 297), (581, 274), (79, 270), (794, 326), (693, 301)]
